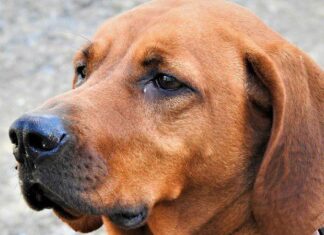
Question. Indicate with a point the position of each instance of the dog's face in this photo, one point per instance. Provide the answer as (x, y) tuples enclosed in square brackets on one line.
[(156, 104)]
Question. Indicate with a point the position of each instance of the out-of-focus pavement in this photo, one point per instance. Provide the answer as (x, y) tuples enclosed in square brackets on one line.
[(37, 42)]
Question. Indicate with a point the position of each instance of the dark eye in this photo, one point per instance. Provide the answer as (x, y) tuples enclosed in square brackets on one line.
[(167, 82), (81, 73)]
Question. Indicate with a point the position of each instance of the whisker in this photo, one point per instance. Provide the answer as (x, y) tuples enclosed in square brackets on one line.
[(78, 35)]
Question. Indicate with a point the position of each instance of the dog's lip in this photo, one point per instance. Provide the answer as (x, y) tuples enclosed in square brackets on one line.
[(66, 213), (38, 198), (129, 218)]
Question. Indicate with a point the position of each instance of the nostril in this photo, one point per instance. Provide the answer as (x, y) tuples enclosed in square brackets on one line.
[(37, 141), (17, 147), (13, 137), (43, 143)]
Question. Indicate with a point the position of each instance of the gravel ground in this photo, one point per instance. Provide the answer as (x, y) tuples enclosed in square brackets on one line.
[(37, 42)]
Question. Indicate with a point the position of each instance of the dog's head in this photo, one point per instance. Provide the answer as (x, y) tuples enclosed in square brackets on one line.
[(174, 96)]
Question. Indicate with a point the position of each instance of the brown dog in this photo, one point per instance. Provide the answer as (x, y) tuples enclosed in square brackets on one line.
[(186, 117)]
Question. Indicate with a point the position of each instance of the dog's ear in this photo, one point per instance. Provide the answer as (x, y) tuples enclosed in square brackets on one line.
[(288, 195), (84, 223)]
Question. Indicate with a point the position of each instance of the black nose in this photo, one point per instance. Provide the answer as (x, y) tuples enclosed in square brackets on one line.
[(37, 136)]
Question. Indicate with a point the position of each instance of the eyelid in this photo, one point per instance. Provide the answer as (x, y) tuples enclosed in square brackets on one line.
[(79, 64), (151, 76)]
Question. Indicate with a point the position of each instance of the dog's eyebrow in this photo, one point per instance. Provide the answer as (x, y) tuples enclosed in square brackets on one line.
[(86, 51), (153, 60), (152, 57), (84, 54)]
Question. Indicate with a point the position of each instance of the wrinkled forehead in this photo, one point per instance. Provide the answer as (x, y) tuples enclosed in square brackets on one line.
[(199, 25), (171, 29)]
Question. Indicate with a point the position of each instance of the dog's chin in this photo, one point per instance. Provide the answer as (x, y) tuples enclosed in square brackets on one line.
[(128, 217)]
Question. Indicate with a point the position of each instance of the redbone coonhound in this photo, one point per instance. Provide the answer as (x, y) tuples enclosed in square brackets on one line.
[(186, 117)]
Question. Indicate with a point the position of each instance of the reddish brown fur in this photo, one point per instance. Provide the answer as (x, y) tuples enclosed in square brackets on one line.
[(196, 160)]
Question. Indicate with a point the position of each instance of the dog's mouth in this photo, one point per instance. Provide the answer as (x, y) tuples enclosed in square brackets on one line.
[(38, 198)]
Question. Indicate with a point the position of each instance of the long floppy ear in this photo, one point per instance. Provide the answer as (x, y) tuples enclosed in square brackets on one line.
[(288, 193), (84, 223)]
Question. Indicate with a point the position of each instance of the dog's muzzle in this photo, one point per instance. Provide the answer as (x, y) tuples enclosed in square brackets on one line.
[(37, 138)]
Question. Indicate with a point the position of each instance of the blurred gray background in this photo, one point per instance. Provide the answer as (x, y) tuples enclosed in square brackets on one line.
[(37, 43)]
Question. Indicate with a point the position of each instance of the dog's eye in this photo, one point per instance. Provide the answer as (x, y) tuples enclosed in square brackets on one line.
[(167, 82), (81, 73), (161, 85)]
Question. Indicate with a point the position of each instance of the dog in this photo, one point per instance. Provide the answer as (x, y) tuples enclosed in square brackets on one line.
[(185, 117)]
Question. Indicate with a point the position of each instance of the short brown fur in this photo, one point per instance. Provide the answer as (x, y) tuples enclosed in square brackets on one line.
[(243, 154)]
